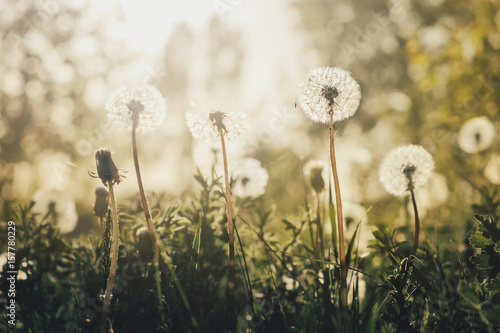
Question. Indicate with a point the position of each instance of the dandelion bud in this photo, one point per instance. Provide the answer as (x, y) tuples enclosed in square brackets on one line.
[(106, 168), (314, 173), (144, 243), (101, 202)]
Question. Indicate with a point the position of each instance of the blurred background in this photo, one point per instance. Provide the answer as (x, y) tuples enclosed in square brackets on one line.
[(424, 67)]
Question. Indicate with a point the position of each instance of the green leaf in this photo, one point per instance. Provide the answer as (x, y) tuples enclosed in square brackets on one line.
[(196, 245), (350, 248), (467, 293), (154, 213), (497, 247), (479, 241), (380, 236), (494, 285), (481, 261), (289, 225)]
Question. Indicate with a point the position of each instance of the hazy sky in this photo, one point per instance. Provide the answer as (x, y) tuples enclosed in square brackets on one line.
[(273, 44)]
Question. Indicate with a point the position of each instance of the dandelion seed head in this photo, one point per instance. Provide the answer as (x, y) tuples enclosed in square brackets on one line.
[(476, 134), (330, 91), (405, 166), (492, 169), (145, 103), (251, 179), (316, 173), (205, 125), (59, 206)]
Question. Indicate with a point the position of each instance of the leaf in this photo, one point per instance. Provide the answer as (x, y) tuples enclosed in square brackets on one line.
[(196, 244), (479, 241), (379, 235), (350, 247), (154, 213), (467, 293), (200, 179), (481, 261), (494, 285), (289, 225)]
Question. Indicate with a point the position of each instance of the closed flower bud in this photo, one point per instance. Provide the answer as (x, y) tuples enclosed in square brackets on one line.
[(101, 202), (106, 168), (315, 172), (144, 243)]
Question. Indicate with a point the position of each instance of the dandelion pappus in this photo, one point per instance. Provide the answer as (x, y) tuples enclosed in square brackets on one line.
[(217, 119)]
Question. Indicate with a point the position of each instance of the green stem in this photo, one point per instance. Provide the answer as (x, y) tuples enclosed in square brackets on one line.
[(114, 261), (142, 194), (230, 279), (147, 215), (417, 223), (340, 224)]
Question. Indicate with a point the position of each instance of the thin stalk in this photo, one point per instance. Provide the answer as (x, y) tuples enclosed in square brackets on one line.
[(307, 211), (250, 292), (230, 227), (340, 223), (319, 231), (114, 261), (147, 214), (417, 223), (142, 194), (327, 304)]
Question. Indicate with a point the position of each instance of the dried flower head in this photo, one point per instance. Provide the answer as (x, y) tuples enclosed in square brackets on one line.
[(106, 168), (101, 202), (206, 125), (330, 91), (476, 134), (143, 106), (315, 172), (251, 179), (405, 168)]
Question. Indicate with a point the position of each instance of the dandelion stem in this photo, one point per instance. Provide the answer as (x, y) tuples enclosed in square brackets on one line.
[(343, 266), (417, 223), (142, 194), (230, 279), (147, 214), (319, 230), (114, 261)]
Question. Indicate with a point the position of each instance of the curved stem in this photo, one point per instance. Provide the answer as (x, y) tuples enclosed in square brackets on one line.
[(142, 194), (417, 223), (147, 214), (230, 227), (340, 223), (114, 262)]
